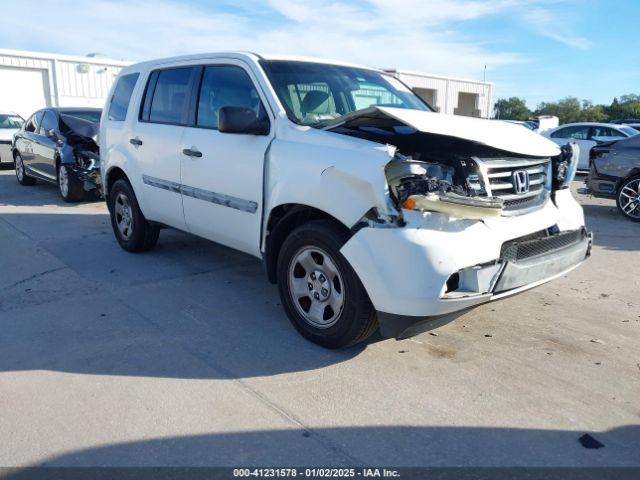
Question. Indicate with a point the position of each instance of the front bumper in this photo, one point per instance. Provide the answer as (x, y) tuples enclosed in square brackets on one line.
[(438, 266)]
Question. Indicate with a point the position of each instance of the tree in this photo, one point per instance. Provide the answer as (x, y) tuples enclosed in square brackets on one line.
[(513, 108), (570, 109), (628, 106)]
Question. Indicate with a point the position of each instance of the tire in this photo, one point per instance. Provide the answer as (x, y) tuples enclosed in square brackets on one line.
[(133, 232), (625, 201), (21, 174), (69, 187), (302, 275)]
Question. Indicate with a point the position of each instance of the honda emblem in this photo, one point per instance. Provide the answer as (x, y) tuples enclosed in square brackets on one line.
[(521, 181)]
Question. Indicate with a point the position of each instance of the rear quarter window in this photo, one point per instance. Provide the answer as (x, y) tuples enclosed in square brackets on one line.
[(122, 97)]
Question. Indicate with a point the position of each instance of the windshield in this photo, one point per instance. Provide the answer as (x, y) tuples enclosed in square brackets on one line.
[(11, 121), (89, 115), (313, 93)]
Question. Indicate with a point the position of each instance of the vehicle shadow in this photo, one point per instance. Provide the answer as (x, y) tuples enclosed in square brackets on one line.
[(429, 446), (74, 301), (41, 194)]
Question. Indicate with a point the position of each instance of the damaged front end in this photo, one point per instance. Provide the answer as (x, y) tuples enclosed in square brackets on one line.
[(480, 170), (80, 151)]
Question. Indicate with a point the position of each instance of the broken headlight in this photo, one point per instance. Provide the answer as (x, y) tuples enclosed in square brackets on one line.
[(426, 186), (564, 166)]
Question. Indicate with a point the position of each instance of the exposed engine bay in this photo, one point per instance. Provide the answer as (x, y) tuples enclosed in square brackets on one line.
[(457, 176), (80, 151)]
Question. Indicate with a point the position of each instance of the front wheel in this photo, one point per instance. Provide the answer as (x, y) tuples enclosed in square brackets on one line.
[(628, 199), (69, 186), (322, 295), (133, 232)]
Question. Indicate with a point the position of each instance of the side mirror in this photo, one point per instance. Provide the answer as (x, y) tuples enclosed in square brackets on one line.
[(51, 133), (241, 120)]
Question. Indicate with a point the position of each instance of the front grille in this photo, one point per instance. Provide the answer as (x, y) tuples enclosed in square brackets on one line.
[(497, 179), (539, 243)]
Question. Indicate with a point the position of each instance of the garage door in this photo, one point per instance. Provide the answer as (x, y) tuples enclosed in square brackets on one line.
[(23, 90)]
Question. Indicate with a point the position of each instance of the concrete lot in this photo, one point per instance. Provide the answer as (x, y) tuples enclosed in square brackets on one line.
[(183, 356)]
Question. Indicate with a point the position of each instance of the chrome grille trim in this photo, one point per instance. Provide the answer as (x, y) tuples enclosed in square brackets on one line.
[(495, 179)]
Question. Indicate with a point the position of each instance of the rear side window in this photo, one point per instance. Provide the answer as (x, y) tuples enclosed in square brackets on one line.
[(225, 86), (122, 96), (170, 97), (33, 125)]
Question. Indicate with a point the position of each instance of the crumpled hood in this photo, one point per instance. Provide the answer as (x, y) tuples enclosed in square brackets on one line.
[(493, 133)]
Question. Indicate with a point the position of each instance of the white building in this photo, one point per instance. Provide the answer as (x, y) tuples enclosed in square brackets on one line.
[(31, 80), (457, 96)]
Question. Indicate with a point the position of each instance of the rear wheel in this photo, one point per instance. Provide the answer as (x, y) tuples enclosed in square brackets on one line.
[(21, 173), (628, 199), (133, 232), (321, 293), (69, 186)]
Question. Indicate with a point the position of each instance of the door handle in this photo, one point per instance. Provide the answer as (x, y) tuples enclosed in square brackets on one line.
[(192, 152), (135, 141)]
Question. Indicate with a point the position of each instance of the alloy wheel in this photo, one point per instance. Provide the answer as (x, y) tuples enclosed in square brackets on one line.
[(63, 181), (316, 287), (124, 216), (19, 168), (629, 198)]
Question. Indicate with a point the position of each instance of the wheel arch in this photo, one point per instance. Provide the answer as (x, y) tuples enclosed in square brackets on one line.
[(283, 219)]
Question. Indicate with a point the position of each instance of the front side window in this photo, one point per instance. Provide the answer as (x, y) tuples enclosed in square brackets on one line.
[(577, 133), (122, 96), (313, 93), (49, 122), (11, 121), (170, 96), (225, 86)]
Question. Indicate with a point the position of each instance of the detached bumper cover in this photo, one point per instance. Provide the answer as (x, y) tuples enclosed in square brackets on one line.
[(557, 254)]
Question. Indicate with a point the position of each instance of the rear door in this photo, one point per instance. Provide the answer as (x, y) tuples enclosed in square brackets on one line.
[(156, 142), (222, 184), (27, 142)]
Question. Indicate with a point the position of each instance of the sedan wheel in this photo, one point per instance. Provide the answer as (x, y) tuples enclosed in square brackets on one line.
[(21, 173), (63, 181), (629, 199)]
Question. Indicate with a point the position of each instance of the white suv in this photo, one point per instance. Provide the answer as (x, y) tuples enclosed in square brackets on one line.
[(366, 207)]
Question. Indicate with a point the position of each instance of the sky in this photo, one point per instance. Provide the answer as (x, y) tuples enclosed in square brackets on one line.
[(541, 50)]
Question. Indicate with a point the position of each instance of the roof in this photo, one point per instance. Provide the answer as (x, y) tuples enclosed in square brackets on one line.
[(8, 112), (588, 124), (251, 56)]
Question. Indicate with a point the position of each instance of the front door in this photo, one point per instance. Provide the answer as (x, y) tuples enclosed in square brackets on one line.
[(222, 173)]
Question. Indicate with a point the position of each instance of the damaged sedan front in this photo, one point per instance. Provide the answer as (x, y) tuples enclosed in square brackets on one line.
[(59, 145)]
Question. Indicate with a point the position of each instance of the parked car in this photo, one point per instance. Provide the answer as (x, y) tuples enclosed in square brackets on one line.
[(10, 123), (588, 135), (615, 173), (631, 122), (366, 206), (59, 145)]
